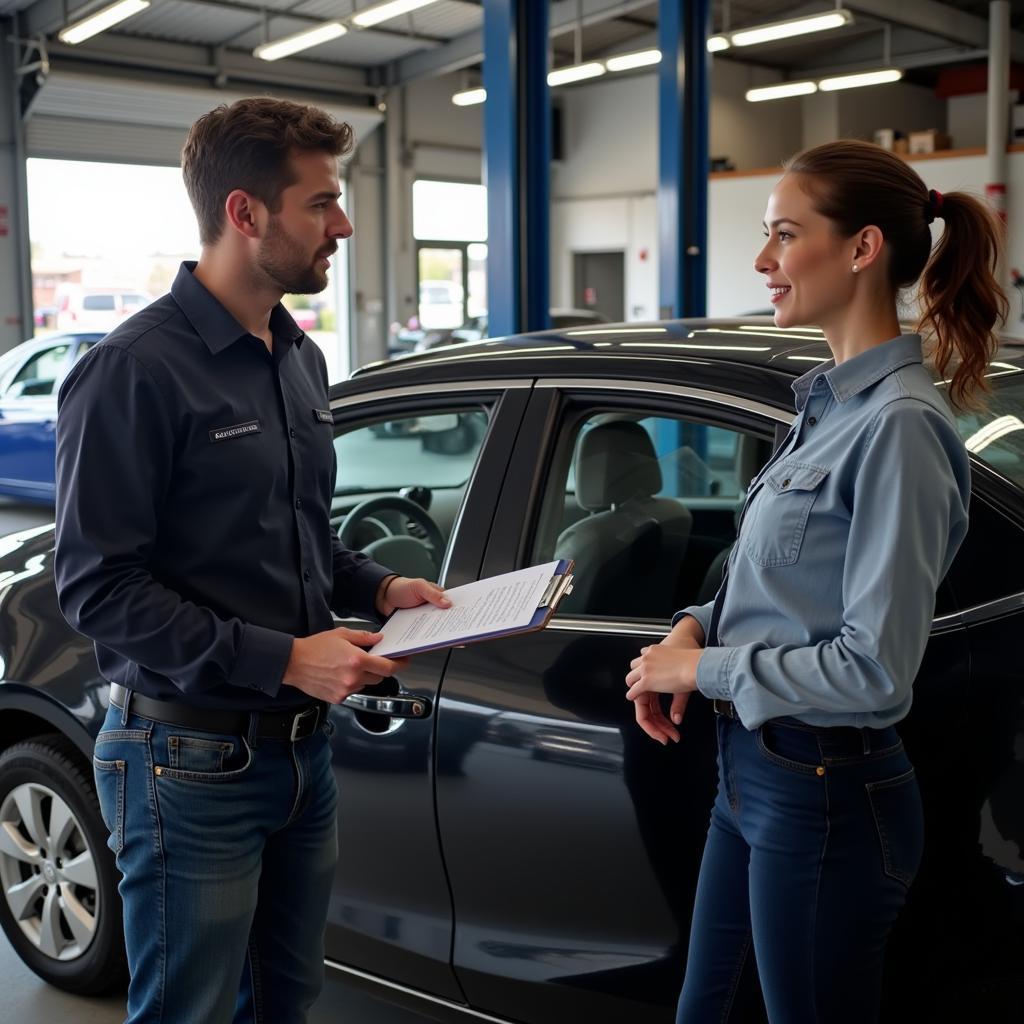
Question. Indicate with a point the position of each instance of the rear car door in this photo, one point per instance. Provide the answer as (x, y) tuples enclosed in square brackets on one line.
[(572, 840), (421, 468)]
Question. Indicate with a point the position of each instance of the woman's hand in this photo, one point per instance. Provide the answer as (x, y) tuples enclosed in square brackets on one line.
[(663, 668)]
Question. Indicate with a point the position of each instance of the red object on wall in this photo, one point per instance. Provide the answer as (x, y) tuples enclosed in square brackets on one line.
[(966, 79), (590, 296), (996, 196), (644, 254), (4, 226)]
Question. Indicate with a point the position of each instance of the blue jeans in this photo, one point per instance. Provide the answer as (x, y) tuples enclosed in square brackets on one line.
[(815, 838), (227, 850)]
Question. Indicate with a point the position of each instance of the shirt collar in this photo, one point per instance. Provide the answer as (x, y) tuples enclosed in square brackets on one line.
[(213, 323), (867, 368)]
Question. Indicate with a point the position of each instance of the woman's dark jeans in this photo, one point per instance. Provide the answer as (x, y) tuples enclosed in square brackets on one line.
[(815, 838)]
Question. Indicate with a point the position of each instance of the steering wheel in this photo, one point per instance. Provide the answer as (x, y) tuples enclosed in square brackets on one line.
[(402, 553)]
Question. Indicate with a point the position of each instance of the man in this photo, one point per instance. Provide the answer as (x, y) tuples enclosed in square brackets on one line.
[(195, 470)]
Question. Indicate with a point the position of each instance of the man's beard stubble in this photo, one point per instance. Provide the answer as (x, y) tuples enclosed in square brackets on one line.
[(283, 261)]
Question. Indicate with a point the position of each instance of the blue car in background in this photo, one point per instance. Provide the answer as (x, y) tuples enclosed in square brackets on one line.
[(30, 376)]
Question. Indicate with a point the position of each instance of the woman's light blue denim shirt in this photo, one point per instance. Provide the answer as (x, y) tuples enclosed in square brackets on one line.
[(845, 535)]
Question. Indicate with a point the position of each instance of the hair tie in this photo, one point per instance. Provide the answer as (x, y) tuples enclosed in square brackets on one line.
[(934, 205)]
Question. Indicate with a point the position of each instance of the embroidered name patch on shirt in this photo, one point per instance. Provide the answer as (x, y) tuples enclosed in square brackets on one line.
[(238, 430), (323, 415)]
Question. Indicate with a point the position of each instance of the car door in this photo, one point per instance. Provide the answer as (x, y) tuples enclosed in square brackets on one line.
[(28, 417), (444, 449), (573, 841)]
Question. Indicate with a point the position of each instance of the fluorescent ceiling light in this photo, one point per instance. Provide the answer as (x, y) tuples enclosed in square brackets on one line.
[(781, 91), (792, 27), (469, 97), (101, 21), (864, 78), (716, 43), (303, 40), (386, 11), (575, 73), (628, 61)]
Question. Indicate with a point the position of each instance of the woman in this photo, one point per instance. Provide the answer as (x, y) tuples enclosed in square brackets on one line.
[(818, 630)]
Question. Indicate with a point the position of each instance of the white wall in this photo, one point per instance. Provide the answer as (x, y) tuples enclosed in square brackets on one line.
[(627, 224)]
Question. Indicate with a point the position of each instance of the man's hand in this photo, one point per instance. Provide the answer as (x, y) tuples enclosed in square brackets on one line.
[(403, 592), (668, 667), (331, 665)]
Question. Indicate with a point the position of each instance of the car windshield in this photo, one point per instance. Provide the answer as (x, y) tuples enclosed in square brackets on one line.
[(995, 434), (95, 302)]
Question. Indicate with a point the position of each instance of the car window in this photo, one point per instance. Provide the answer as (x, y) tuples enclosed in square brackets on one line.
[(651, 498), (425, 460), (995, 434), (41, 374), (98, 302)]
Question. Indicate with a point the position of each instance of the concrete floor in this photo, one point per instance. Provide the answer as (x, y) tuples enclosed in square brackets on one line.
[(29, 1000)]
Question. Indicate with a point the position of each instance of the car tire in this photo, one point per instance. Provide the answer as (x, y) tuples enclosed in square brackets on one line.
[(66, 927)]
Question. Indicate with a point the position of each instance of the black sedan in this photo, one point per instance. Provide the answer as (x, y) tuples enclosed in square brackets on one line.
[(513, 848)]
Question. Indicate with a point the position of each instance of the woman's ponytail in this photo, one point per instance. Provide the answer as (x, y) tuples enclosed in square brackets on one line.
[(960, 295)]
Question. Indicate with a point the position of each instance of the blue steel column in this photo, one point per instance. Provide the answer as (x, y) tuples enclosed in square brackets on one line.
[(684, 95), (517, 157)]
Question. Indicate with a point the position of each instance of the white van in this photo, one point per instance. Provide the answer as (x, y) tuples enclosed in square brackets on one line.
[(96, 309)]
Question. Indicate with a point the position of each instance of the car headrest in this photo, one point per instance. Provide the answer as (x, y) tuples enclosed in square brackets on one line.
[(616, 462)]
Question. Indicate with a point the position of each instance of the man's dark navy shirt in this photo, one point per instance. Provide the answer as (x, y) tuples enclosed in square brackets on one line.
[(195, 472)]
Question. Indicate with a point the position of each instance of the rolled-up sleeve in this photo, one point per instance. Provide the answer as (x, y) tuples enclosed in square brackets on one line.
[(700, 612), (908, 517), (115, 449)]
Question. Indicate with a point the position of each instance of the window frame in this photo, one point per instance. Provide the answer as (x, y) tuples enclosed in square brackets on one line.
[(577, 400)]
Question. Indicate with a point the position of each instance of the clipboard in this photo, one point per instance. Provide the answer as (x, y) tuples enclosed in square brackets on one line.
[(557, 588)]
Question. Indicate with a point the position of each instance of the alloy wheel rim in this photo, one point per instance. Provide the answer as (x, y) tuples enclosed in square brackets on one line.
[(48, 872)]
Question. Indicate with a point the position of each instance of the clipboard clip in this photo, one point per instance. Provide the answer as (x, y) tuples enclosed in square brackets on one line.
[(559, 586)]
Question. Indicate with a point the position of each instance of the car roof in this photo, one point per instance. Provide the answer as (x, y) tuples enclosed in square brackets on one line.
[(749, 341)]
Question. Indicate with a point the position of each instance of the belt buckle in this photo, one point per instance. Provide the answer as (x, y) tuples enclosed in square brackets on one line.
[(724, 707), (297, 721)]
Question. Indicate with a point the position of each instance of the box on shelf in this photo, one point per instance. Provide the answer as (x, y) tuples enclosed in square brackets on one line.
[(885, 137), (901, 146), (929, 141)]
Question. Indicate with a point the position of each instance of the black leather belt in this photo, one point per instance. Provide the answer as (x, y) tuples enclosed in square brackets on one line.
[(269, 725), (725, 707)]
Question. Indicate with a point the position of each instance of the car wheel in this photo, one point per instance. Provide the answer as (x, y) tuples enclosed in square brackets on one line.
[(58, 886)]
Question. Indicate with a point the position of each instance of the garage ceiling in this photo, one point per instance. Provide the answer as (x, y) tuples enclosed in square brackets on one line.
[(209, 43)]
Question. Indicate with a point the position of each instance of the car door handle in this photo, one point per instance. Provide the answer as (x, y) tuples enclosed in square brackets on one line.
[(393, 707)]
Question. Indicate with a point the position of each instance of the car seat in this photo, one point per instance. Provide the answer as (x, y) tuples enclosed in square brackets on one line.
[(629, 549)]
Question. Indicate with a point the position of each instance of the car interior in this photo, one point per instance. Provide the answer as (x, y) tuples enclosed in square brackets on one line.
[(652, 520), (627, 501), (400, 485)]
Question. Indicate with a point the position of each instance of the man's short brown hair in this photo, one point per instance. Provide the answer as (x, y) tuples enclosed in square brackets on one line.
[(247, 146)]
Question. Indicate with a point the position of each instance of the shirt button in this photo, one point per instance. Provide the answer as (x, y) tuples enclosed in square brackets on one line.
[(812, 420), (298, 503), (307, 575), (785, 483), (291, 431)]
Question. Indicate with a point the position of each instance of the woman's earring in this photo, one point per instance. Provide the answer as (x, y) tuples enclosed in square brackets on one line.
[(855, 268)]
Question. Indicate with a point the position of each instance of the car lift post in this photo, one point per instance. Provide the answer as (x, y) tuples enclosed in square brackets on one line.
[(517, 157), (683, 97)]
